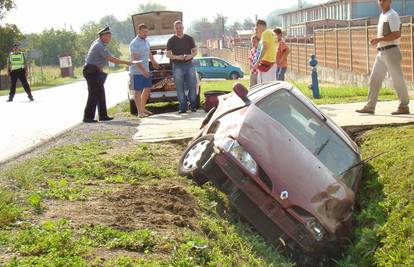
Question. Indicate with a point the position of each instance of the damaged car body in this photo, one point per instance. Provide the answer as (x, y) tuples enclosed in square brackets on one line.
[(285, 166)]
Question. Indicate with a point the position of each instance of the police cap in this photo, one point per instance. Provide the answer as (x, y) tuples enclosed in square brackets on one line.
[(104, 31)]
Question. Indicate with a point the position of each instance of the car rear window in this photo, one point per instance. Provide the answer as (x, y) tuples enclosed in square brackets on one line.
[(311, 131)]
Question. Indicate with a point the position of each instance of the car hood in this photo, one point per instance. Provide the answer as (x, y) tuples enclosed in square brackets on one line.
[(293, 169)]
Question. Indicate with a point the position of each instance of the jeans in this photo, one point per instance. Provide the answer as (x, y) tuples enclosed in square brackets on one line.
[(280, 73), (185, 79)]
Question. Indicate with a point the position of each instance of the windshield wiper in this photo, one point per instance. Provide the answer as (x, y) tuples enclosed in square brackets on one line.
[(362, 162), (322, 146)]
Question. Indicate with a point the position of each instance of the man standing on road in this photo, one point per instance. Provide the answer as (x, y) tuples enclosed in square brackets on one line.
[(266, 59), (17, 69), (388, 60), (181, 49), (139, 49), (281, 56), (97, 56)]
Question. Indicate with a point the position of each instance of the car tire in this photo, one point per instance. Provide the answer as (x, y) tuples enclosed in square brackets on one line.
[(234, 75), (200, 76), (194, 157), (132, 107)]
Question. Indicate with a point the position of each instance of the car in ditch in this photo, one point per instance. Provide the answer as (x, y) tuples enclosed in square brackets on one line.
[(285, 166), (160, 25)]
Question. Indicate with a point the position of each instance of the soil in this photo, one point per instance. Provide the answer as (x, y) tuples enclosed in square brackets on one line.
[(159, 208)]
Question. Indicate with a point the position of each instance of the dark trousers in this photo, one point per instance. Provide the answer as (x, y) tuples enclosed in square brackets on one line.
[(21, 75), (96, 95)]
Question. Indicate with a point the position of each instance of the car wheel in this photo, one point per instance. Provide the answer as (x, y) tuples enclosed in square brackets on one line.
[(132, 107), (194, 157), (200, 76), (234, 76)]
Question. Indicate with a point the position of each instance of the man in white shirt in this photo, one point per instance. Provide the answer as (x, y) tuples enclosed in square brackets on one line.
[(388, 60)]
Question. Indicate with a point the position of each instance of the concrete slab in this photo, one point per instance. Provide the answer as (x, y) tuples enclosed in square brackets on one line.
[(174, 126)]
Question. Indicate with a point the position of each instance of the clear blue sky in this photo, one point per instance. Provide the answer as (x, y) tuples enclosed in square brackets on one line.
[(36, 15)]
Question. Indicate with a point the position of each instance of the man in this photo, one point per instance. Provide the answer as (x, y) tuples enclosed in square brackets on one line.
[(252, 55), (281, 56), (265, 63), (181, 49), (388, 59), (140, 51), (96, 58), (17, 69)]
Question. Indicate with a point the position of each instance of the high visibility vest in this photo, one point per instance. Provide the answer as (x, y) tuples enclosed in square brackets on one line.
[(16, 61)]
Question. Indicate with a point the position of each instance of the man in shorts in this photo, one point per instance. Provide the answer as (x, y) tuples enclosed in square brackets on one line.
[(140, 51)]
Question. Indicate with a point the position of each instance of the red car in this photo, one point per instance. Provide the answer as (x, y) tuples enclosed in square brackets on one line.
[(286, 167)]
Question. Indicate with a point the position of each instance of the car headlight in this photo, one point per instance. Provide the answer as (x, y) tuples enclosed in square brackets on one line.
[(316, 229), (238, 152)]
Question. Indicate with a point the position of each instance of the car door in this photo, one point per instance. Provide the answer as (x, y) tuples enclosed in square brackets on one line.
[(219, 68), (204, 67)]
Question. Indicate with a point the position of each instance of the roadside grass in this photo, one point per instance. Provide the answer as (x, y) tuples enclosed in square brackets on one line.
[(219, 238), (384, 231)]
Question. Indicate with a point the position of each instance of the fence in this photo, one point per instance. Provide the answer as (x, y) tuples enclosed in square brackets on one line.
[(341, 52)]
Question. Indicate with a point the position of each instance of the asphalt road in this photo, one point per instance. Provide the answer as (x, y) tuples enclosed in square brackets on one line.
[(25, 124)]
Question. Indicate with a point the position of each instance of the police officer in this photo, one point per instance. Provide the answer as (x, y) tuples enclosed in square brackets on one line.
[(96, 58), (17, 69)]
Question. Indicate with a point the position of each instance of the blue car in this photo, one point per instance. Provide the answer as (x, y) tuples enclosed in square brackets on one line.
[(212, 67)]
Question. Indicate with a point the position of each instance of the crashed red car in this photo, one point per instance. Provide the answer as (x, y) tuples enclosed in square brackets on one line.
[(286, 167)]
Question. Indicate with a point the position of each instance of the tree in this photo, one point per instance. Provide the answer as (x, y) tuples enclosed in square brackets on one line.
[(248, 24), (201, 30), (151, 6), (5, 5), (9, 34)]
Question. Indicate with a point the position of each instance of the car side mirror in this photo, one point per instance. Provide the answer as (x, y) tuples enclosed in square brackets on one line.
[(241, 91)]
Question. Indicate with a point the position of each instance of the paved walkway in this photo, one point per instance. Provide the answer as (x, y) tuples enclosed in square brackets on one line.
[(172, 126), (26, 124)]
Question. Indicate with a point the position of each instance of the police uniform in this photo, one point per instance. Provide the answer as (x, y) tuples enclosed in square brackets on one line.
[(17, 62), (95, 77)]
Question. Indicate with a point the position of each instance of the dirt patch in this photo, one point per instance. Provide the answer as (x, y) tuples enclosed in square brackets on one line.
[(160, 207)]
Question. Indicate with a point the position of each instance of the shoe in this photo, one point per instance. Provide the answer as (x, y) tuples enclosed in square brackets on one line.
[(365, 110), (148, 112), (142, 115), (182, 111), (9, 100), (401, 110), (31, 98), (89, 121), (106, 119), (194, 110)]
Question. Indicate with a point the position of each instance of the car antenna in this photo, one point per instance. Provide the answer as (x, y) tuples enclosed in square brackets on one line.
[(363, 162)]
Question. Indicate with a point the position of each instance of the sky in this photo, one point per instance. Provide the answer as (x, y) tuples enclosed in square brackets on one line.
[(33, 16)]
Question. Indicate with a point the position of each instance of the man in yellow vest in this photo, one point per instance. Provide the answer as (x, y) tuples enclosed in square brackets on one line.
[(17, 69)]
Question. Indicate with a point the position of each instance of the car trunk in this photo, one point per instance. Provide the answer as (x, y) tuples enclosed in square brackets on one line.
[(160, 25)]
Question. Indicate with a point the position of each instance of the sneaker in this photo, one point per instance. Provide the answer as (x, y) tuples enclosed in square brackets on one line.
[(10, 100), (89, 121), (106, 119), (193, 110), (401, 110), (182, 111), (365, 110)]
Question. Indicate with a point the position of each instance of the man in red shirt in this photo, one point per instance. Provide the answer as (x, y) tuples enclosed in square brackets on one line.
[(281, 56)]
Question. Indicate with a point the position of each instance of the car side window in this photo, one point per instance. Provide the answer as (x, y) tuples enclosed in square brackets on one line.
[(218, 63), (204, 63)]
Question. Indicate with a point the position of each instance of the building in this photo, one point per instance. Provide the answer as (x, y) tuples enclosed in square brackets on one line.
[(300, 22)]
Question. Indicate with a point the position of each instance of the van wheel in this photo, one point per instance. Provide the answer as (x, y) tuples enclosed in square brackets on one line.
[(133, 107), (194, 157)]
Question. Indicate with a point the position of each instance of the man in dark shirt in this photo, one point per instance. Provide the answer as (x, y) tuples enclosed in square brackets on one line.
[(181, 49)]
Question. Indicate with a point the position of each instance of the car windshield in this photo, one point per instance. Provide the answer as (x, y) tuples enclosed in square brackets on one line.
[(158, 40), (312, 132)]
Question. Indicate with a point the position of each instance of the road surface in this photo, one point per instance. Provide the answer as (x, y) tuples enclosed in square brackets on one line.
[(26, 124)]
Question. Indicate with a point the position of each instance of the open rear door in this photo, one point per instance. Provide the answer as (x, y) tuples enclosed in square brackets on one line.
[(158, 22)]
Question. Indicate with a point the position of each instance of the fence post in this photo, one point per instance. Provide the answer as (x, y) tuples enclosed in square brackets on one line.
[(336, 40), (412, 49), (367, 44), (350, 46)]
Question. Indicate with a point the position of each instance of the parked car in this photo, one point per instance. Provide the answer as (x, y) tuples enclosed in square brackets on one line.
[(160, 24), (285, 166), (212, 67)]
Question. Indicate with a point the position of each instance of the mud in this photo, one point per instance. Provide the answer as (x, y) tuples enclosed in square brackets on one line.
[(159, 208)]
